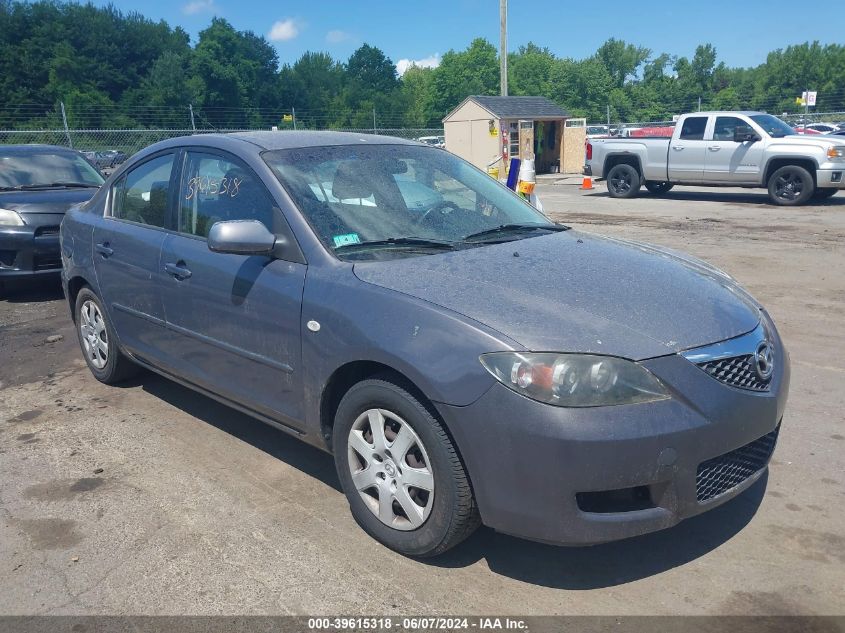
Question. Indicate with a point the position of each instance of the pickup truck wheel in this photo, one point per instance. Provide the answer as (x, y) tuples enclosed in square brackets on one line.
[(401, 474), (623, 181), (827, 192), (658, 188), (791, 185)]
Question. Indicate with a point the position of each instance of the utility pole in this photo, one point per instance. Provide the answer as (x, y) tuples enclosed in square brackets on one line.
[(699, 104), (374, 122), (293, 115), (608, 118), (64, 120), (503, 47), (193, 125)]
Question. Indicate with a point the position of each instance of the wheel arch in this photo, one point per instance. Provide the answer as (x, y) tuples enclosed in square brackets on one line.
[(776, 163), (350, 374), (622, 158), (74, 285)]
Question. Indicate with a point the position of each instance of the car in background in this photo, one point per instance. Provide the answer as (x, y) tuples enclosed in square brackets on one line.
[(822, 128), (474, 363), (744, 149), (109, 159), (38, 184), (598, 131), (807, 129), (435, 141)]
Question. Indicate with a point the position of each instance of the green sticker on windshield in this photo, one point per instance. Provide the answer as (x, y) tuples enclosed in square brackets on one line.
[(343, 240)]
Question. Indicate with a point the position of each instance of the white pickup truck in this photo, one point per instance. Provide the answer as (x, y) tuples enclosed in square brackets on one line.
[(721, 149)]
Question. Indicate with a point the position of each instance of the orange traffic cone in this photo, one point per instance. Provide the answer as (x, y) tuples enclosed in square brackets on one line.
[(587, 183)]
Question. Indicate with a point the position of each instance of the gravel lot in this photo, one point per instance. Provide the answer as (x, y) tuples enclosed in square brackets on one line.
[(151, 499)]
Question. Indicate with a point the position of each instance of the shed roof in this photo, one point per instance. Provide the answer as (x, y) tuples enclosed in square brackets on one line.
[(517, 107)]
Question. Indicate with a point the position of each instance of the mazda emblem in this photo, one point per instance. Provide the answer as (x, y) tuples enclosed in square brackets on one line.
[(764, 360)]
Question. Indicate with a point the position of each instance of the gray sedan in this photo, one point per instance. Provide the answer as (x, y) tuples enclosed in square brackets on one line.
[(464, 359)]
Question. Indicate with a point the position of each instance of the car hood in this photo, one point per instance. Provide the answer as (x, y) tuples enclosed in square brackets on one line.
[(53, 201), (578, 292), (822, 141)]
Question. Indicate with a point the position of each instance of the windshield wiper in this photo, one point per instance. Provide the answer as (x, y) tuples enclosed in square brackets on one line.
[(504, 229), (57, 185), (413, 242)]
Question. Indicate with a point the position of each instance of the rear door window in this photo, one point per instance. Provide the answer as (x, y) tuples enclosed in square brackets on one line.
[(141, 195), (693, 128)]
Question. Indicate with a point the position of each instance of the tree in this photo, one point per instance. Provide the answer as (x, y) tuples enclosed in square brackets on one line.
[(621, 59), (474, 71)]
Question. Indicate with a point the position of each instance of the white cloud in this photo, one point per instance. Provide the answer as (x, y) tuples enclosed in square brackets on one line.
[(337, 36), (199, 6), (284, 30), (432, 61)]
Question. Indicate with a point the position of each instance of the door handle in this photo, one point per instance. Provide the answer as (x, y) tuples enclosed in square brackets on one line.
[(104, 249), (178, 270), (714, 148), (678, 148)]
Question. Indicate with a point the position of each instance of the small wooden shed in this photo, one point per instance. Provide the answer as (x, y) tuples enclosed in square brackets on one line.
[(489, 130)]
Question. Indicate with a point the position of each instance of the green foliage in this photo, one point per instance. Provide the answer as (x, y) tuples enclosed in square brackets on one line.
[(114, 69)]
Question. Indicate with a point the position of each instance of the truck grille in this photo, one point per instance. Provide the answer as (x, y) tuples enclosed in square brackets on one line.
[(722, 473), (736, 371)]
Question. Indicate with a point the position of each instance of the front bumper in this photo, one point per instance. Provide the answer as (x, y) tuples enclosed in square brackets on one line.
[(833, 178), (29, 251), (537, 470)]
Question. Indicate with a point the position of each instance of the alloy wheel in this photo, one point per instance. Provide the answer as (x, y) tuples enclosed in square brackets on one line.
[(95, 339), (391, 469), (621, 184), (789, 185)]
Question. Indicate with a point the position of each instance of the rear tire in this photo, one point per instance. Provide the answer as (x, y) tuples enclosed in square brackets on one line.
[(658, 188), (791, 185), (821, 194), (99, 342), (623, 181), (375, 471)]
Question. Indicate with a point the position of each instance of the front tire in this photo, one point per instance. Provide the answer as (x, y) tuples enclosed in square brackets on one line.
[(791, 185), (99, 342), (400, 471), (658, 188), (623, 181)]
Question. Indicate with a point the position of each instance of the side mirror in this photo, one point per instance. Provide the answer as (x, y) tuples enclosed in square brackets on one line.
[(744, 134), (241, 237)]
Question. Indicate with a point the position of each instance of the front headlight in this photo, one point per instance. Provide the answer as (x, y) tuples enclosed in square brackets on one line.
[(836, 153), (574, 380), (10, 218)]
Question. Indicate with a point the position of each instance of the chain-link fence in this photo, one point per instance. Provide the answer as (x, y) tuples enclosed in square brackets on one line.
[(131, 140)]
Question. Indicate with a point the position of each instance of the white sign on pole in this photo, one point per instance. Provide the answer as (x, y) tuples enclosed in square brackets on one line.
[(809, 98)]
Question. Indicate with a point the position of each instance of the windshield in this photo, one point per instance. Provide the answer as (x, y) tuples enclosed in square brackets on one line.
[(773, 126), (381, 194), (45, 168)]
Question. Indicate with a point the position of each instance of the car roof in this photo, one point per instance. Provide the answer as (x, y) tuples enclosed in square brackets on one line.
[(290, 139)]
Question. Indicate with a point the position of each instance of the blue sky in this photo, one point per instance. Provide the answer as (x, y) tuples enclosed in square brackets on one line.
[(743, 32)]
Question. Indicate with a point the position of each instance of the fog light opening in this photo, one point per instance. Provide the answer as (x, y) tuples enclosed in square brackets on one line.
[(613, 501)]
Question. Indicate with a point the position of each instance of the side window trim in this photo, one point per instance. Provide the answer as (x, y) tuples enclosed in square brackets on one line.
[(109, 215)]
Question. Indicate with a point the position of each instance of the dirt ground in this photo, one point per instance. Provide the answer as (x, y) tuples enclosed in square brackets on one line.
[(150, 499)]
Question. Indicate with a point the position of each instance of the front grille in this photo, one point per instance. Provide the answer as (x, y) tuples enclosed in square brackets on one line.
[(46, 230), (722, 473), (736, 371), (46, 262)]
